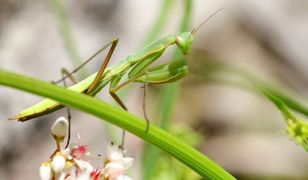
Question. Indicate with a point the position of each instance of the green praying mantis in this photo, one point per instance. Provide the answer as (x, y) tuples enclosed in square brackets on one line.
[(135, 66)]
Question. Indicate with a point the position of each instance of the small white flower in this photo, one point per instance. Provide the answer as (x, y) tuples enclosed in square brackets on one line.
[(114, 153), (116, 164), (116, 169), (58, 163), (113, 170), (59, 128), (72, 163), (45, 171)]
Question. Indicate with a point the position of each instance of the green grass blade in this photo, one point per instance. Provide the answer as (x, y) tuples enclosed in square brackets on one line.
[(228, 74), (184, 153)]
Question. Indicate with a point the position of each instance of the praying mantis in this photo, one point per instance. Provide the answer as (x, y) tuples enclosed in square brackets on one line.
[(135, 66)]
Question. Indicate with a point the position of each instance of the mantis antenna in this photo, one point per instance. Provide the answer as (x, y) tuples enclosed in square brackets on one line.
[(194, 30)]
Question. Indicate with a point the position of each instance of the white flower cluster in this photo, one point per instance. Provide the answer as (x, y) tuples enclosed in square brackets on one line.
[(72, 164)]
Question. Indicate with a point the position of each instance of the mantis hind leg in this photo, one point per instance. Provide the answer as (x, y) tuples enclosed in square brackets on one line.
[(112, 43), (64, 72)]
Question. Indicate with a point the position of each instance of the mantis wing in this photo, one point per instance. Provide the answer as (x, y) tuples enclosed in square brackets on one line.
[(47, 106)]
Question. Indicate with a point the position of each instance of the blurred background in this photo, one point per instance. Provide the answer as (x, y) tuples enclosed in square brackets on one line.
[(235, 127)]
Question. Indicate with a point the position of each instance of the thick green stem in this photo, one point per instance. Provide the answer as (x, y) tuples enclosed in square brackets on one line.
[(184, 153)]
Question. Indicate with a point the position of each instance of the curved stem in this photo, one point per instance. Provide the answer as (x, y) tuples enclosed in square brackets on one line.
[(160, 138)]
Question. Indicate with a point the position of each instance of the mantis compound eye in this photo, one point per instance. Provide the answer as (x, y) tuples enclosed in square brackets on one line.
[(184, 41)]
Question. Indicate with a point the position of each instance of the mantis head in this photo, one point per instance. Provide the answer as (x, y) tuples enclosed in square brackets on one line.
[(184, 41)]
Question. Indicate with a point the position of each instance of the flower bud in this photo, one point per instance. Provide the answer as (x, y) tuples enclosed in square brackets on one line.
[(45, 171), (58, 163), (59, 129), (298, 132)]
